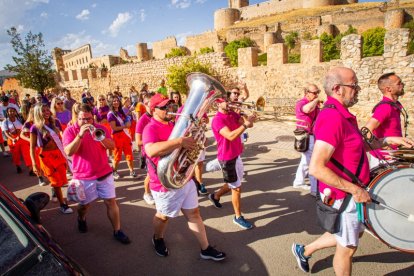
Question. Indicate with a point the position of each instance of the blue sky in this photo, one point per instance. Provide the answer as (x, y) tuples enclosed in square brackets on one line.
[(106, 25)]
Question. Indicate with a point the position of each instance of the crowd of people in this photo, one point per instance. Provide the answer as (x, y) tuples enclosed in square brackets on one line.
[(85, 139)]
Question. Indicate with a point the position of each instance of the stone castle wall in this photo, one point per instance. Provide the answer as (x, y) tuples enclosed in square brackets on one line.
[(163, 47), (208, 39)]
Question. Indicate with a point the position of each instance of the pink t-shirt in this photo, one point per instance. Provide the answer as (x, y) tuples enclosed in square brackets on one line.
[(305, 120), (339, 128), (90, 161), (226, 149), (143, 121), (155, 132), (389, 118), (390, 123)]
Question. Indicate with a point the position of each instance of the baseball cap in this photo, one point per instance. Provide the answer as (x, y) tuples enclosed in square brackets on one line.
[(159, 100), (220, 100)]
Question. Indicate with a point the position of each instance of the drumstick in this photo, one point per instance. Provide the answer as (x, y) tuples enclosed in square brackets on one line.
[(410, 217)]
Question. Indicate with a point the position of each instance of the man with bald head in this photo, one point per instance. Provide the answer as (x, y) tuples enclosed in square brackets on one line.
[(307, 109), (386, 119), (337, 137)]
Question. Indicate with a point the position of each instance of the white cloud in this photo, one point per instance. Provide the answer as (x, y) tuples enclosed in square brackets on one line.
[(19, 28), (94, 5), (41, 1), (142, 15), (84, 15), (131, 49), (72, 41), (118, 23), (182, 37), (181, 4), (43, 14), (200, 1)]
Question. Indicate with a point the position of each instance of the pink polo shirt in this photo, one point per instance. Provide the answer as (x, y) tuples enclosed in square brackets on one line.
[(390, 123), (305, 120), (339, 128), (155, 132), (143, 121), (226, 149), (90, 161)]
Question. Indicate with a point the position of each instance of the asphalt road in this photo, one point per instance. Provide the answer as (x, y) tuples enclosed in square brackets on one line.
[(282, 215)]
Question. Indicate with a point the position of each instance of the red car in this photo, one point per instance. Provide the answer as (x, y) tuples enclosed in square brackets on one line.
[(26, 247)]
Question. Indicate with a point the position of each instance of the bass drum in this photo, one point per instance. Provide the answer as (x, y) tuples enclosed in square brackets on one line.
[(393, 187)]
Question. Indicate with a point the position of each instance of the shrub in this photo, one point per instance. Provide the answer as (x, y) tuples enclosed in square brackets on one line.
[(291, 40), (373, 42), (176, 52), (176, 76), (410, 25), (332, 45), (206, 50), (293, 58), (232, 47), (262, 59)]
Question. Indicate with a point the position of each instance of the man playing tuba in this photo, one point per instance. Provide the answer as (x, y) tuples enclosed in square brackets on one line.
[(169, 203)]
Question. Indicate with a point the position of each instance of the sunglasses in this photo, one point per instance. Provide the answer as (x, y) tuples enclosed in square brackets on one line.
[(59, 103), (314, 92), (101, 99), (236, 93)]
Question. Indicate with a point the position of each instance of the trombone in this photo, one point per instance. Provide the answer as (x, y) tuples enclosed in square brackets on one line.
[(248, 109)]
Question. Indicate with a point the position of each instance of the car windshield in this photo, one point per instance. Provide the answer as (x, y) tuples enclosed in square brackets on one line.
[(13, 241)]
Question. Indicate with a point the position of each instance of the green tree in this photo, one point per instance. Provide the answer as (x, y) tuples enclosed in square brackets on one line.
[(176, 76), (176, 52), (232, 48), (33, 65), (410, 25), (291, 40), (262, 59), (373, 42)]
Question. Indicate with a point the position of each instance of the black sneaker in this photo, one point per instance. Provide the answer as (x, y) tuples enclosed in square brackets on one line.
[(160, 247), (212, 254), (82, 225), (202, 189), (31, 173), (298, 250), (19, 169), (214, 201), (121, 237)]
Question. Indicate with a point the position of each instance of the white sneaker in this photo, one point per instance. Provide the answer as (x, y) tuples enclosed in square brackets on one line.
[(65, 209), (42, 181), (116, 175), (6, 154), (149, 199), (304, 187)]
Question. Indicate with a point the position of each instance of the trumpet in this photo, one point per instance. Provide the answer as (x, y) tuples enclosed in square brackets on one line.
[(249, 109), (98, 134)]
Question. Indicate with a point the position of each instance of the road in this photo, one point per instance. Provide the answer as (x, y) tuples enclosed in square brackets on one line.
[(282, 215)]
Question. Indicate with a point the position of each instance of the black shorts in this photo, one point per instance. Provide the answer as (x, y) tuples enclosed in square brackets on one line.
[(229, 170)]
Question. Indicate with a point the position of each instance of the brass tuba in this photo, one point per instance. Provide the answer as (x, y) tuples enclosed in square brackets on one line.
[(177, 168)]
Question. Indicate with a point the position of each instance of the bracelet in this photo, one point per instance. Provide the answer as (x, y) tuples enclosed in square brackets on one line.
[(80, 137)]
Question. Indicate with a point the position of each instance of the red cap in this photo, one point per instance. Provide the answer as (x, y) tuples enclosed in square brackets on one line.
[(159, 100), (220, 100)]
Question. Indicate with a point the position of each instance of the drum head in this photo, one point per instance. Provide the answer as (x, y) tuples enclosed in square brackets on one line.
[(395, 189)]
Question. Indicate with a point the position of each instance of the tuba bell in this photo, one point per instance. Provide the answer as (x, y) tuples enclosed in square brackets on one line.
[(177, 168)]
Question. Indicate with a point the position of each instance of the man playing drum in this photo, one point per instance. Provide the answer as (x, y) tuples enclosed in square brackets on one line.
[(337, 137), (386, 119)]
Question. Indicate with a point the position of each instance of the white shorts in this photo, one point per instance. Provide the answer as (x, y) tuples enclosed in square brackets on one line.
[(95, 189), (350, 226), (213, 165), (171, 202)]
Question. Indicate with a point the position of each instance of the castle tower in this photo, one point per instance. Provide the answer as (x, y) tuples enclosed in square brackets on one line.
[(142, 52), (317, 3), (224, 18), (237, 4)]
